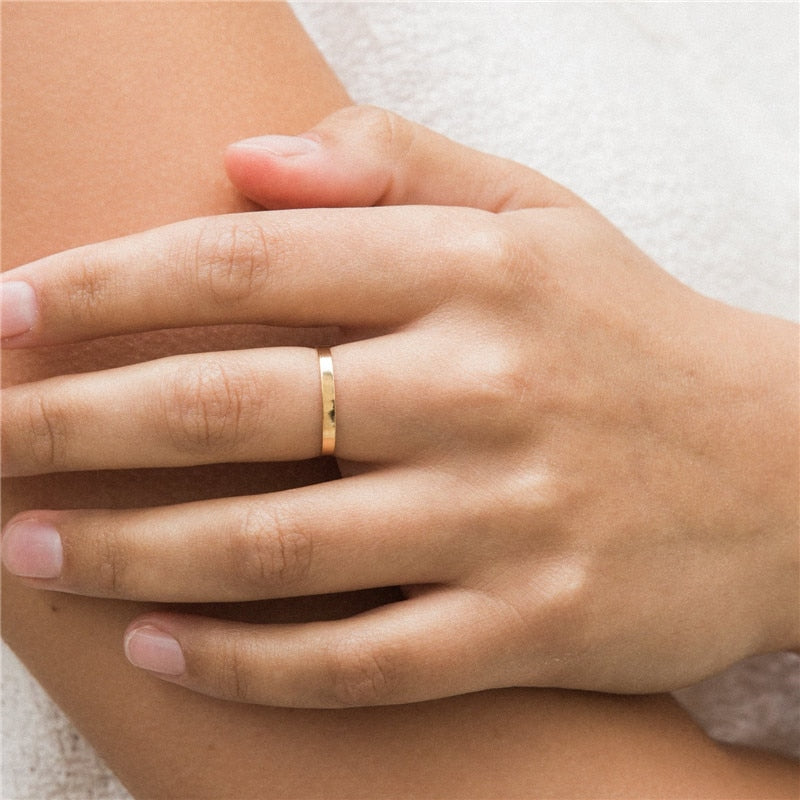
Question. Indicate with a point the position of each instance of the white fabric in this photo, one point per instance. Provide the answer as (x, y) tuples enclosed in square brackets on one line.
[(679, 121)]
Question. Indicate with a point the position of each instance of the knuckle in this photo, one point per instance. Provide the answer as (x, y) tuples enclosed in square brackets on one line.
[(491, 385), (500, 382), (493, 252), (509, 392), (47, 426), (269, 548), (88, 287), (390, 132), (111, 572), (562, 623), (202, 405), (232, 673), (361, 673), (479, 262), (389, 136), (230, 260)]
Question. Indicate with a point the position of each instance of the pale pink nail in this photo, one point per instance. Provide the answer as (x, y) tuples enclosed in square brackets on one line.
[(279, 145), (151, 649), (32, 550), (18, 308)]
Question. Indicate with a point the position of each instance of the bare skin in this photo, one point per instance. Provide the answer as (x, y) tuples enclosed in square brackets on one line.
[(162, 740)]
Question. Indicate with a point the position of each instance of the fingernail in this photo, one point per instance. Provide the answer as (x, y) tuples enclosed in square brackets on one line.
[(32, 550), (151, 649), (280, 145), (17, 308)]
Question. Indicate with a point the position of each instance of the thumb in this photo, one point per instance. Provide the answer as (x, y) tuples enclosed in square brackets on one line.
[(364, 156)]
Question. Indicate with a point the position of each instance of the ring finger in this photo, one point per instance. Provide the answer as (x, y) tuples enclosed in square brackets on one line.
[(248, 405)]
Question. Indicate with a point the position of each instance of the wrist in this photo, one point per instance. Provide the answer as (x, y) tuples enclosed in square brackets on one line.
[(768, 371)]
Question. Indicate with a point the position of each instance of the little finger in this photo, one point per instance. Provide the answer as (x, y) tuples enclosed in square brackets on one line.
[(400, 653)]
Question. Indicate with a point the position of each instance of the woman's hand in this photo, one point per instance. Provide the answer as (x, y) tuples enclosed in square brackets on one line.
[(582, 473)]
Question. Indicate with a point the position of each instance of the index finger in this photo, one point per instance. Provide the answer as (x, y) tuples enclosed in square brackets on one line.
[(370, 267)]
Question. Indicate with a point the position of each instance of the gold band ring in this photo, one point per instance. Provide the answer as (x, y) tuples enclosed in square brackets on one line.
[(328, 401)]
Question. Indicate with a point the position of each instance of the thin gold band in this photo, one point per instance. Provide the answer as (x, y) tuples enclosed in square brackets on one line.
[(328, 401)]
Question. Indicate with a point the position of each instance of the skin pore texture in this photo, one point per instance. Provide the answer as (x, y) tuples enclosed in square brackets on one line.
[(91, 153)]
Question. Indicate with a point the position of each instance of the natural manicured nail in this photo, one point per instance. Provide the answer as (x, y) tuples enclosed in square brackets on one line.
[(151, 649), (18, 308), (32, 550), (280, 145)]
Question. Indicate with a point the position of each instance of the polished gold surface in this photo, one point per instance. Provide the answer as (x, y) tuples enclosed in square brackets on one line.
[(328, 401)]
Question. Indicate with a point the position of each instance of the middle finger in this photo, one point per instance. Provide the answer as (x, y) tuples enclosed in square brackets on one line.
[(381, 529)]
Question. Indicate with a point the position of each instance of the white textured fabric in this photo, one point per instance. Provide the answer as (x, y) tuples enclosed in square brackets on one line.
[(678, 121)]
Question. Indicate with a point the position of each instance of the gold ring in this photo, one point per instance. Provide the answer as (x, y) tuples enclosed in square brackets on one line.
[(328, 401)]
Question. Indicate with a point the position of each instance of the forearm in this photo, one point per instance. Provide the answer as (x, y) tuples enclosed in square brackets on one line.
[(116, 115)]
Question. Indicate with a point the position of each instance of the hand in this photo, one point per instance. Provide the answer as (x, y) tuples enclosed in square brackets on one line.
[(582, 473)]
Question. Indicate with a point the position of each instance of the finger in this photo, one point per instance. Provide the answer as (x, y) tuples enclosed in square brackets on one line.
[(252, 405), (350, 267), (363, 156), (381, 529), (247, 405), (439, 644)]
